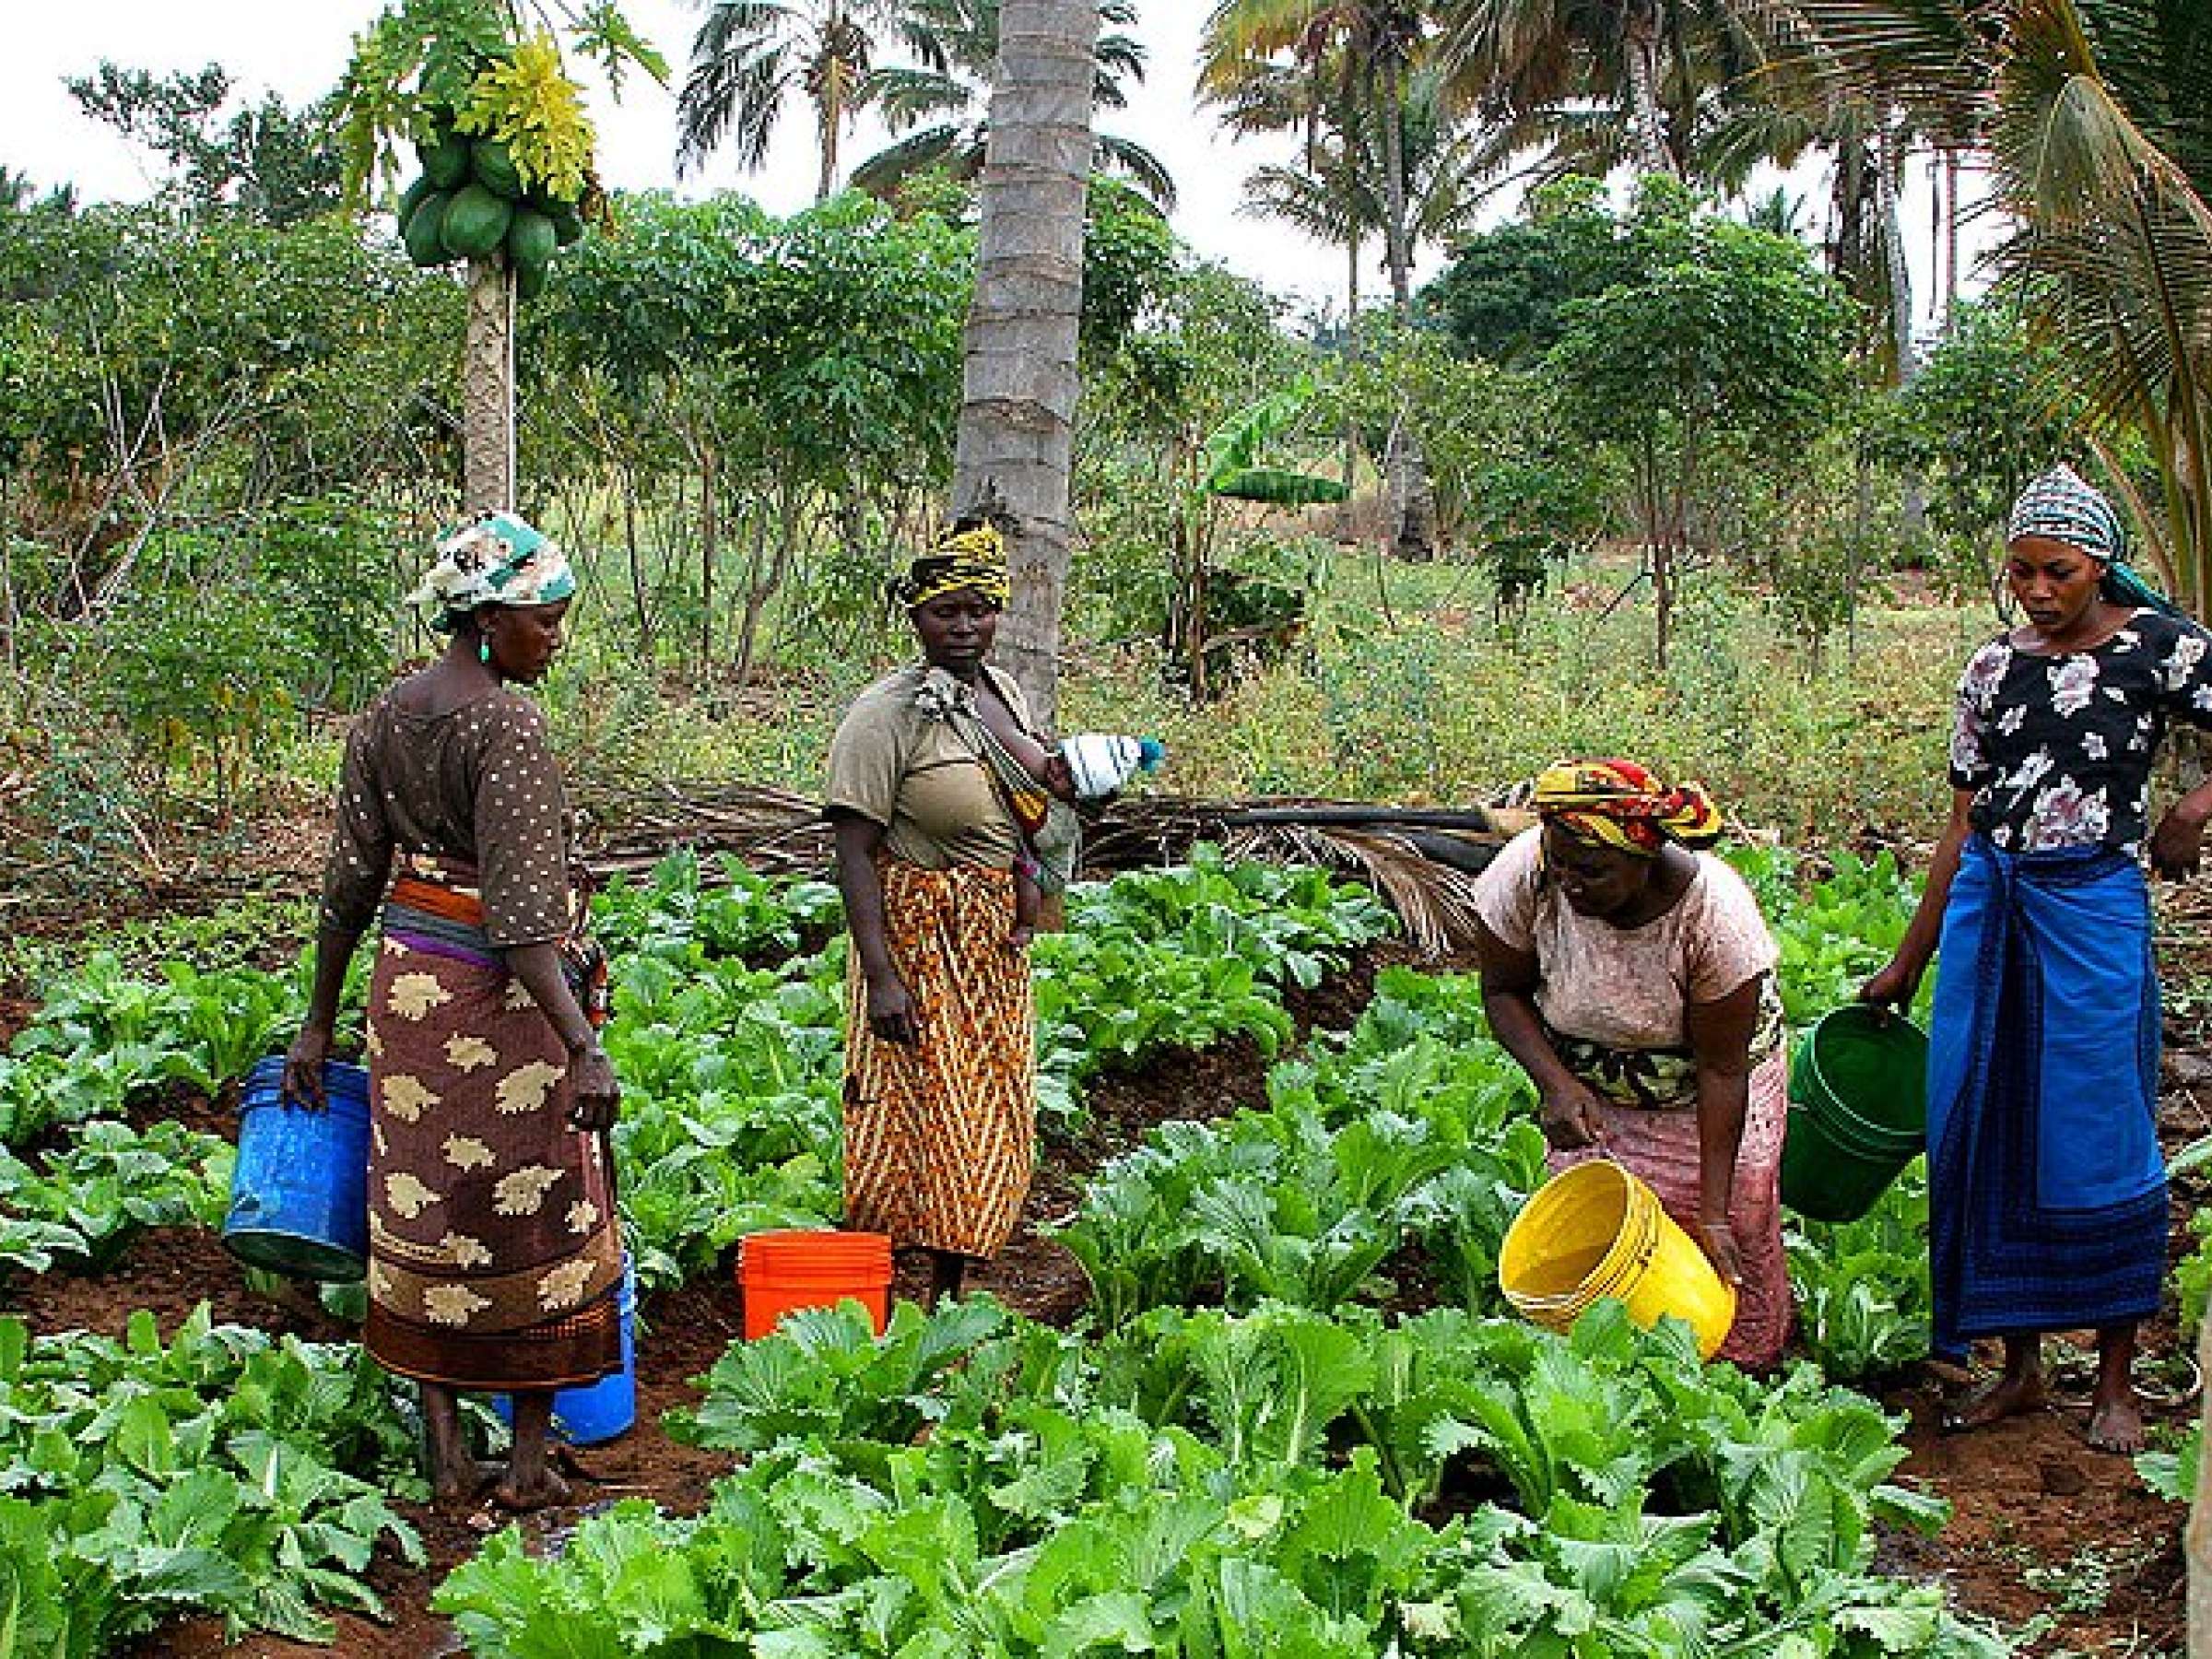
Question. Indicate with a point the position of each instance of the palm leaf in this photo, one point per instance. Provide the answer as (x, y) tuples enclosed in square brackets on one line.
[(1278, 487), (958, 151), (1144, 169)]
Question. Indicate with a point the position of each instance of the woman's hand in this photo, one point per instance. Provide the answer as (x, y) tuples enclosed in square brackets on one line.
[(1567, 1114), (594, 1094), (303, 1083), (891, 1013), (2177, 847), (1716, 1237), (1895, 986)]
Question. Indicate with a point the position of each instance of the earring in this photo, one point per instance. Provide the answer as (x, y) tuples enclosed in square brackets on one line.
[(484, 653)]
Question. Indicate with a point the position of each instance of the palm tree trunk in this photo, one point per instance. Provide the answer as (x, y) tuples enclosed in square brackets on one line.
[(1887, 164), (1652, 152), (1888, 168), (1352, 239), (1393, 191), (830, 118), (1016, 434), (1950, 235), (488, 461), (1413, 501)]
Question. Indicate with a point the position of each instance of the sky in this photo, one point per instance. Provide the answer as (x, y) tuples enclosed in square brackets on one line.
[(298, 48)]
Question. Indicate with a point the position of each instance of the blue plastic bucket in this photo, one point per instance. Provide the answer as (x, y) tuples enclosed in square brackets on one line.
[(299, 1191), (585, 1416)]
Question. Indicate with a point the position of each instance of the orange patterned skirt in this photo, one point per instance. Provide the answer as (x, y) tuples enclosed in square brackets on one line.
[(941, 1137)]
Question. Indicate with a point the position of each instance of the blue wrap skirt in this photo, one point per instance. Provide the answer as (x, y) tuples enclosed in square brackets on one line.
[(2047, 1193)]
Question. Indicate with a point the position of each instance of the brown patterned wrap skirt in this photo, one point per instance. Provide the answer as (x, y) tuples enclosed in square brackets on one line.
[(941, 1137), (494, 1252)]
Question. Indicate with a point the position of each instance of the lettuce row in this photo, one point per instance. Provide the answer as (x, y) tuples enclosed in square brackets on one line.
[(1215, 1484)]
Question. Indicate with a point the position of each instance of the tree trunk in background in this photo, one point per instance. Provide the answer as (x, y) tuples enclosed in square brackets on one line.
[(1018, 409), (1412, 500), (487, 464), (1351, 355), (1888, 168), (1887, 165), (1652, 155), (1951, 236)]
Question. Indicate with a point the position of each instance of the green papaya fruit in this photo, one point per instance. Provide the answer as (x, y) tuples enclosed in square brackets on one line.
[(494, 166), (423, 231), (412, 197), (568, 223), (530, 277), (531, 239), (475, 222), (445, 162)]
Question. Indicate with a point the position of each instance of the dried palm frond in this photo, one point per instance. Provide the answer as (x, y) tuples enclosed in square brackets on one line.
[(1434, 901)]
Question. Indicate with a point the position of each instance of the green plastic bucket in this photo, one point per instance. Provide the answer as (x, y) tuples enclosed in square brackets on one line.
[(1858, 1112)]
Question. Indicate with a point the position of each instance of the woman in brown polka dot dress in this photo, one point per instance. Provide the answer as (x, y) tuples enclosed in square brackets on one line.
[(495, 1258)]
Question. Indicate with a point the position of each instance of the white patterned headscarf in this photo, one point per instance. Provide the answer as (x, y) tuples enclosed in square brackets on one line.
[(496, 560), (2063, 506)]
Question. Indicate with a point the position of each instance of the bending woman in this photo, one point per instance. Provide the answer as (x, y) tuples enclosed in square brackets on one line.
[(1633, 979), (494, 1254), (940, 1093), (2046, 1190)]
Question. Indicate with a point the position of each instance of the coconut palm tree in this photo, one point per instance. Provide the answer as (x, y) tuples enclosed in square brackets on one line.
[(935, 100), (1532, 58), (1790, 116), (1377, 44), (2095, 120), (1015, 453), (750, 57), (1590, 86), (1371, 48), (1332, 194)]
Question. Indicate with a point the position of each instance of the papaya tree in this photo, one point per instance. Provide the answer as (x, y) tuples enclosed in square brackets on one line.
[(480, 90)]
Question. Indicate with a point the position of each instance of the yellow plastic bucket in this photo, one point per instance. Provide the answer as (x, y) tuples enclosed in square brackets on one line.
[(1596, 1231)]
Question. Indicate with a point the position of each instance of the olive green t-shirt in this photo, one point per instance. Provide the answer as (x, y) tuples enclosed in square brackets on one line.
[(894, 766)]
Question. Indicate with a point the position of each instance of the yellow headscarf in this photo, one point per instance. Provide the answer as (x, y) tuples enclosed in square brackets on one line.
[(973, 558)]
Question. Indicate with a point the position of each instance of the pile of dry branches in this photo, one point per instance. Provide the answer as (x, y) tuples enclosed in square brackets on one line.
[(1423, 861)]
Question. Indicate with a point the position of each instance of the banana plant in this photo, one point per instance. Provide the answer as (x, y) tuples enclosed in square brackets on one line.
[(1230, 468)]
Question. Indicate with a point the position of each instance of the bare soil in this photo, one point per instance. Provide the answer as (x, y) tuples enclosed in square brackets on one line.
[(2055, 1541)]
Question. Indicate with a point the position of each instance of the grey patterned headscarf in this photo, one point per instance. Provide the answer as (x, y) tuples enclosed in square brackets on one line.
[(2064, 506)]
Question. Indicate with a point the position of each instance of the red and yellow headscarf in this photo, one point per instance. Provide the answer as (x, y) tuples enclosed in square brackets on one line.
[(1617, 803)]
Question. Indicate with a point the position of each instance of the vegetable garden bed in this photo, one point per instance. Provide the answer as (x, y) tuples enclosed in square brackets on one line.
[(1357, 1172)]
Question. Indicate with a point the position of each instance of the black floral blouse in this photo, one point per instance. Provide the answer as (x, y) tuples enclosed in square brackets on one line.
[(2058, 749)]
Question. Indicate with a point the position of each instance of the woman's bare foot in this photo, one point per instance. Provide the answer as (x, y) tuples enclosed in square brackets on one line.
[(457, 1479), (2020, 1390), (2008, 1396), (2116, 1424), (2115, 1412)]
